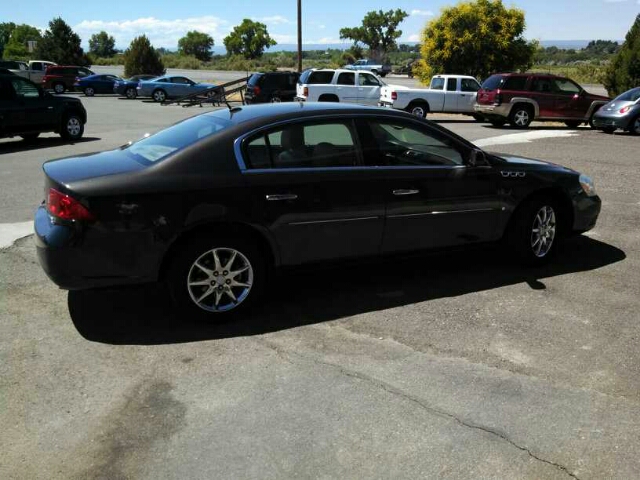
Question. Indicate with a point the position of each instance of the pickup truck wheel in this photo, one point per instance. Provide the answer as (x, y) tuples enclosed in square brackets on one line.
[(131, 93), (89, 92), (521, 116), (30, 137), (59, 87), (419, 109), (72, 127)]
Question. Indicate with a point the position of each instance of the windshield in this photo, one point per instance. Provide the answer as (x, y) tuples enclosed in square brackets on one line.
[(157, 147), (630, 96)]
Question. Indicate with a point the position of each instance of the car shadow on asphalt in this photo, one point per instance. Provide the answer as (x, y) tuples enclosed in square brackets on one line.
[(45, 142), (143, 315)]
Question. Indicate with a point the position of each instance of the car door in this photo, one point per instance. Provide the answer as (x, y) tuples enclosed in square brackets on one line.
[(105, 83), (467, 95), (311, 191), (434, 197), (182, 86), (34, 109), (450, 95), (12, 116), (346, 88), (368, 89), (570, 101), (542, 91)]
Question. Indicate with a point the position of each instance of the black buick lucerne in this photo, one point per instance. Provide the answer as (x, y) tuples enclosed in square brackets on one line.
[(213, 203)]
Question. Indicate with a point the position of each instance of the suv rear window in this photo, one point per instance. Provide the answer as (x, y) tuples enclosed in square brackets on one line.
[(320, 77)]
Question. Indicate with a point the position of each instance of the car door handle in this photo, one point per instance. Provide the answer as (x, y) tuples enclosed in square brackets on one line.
[(281, 196), (405, 191)]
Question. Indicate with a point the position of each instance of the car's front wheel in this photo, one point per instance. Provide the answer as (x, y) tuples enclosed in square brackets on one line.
[(216, 277), (131, 93), (534, 231), (159, 96), (89, 92), (634, 126), (72, 127), (59, 87)]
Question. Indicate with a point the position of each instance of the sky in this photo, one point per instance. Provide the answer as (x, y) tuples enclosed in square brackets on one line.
[(164, 22)]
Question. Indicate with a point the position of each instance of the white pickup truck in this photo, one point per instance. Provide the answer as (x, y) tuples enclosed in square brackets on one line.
[(339, 86), (446, 94), (34, 70)]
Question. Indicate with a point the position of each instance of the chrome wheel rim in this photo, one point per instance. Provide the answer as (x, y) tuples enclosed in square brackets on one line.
[(89, 92), (131, 93), (276, 100), (159, 96), (73, 126), (521, 118), (220, 280), (543, 231), (418, 112), (58, 88)]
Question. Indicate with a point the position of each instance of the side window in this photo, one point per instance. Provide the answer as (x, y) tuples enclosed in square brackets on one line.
[(452, 84), (401, 144), (541, 85), (180, 80), (347, 78), (320, 77), (83, 72), (515, 83), (566, 87), (6, 91), (469, 85), (329, 144), (437, 84), (24, 88), (366, 80), (36, 66), (162, 80)]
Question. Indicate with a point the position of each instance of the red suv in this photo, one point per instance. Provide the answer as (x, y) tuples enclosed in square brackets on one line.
[(520, 98), (62, 77)]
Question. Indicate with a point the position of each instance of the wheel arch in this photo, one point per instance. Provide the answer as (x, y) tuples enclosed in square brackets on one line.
[(515, 101), (562, 200), (594, 107), (328, 97)]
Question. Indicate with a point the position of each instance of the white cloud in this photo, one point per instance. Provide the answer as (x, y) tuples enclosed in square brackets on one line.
[(617, 1), (275, 20), (328, 40), (422, 13), (280, 38), (161, 33), (414, 38)]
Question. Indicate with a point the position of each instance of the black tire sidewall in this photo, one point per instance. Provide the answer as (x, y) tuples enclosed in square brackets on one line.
[(177, 273), (519, 234), (63, 130), (130, 89)]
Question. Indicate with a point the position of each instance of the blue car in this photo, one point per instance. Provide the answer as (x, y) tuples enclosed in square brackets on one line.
[(129, 86), (93, 84), (169, 86)]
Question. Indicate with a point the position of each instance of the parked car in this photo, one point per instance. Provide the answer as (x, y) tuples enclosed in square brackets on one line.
[(4, 71), (27, 111), (446, 93), (129, 87), (96, 84), (406, 69), (271, 87), (62, 77), (170, 86), (339, 86), (520, 98), (33, 70), (370, 65), (291, 184), (622, 112)]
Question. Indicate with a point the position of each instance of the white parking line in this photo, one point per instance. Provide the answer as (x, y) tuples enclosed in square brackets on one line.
[(524, 137), (10, 232)]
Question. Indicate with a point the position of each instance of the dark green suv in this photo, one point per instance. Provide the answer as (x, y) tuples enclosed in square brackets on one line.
[(26, 111)]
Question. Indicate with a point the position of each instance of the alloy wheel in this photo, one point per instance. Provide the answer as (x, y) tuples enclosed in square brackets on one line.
[(543, 231), (159, 96), (418, 112), (89, 92), (58, 88), (73, 126), (521, 118), (220, 279), (131, 93)]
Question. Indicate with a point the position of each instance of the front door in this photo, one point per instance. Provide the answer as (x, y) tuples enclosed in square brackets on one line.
[(310, 190), (32, 110), (467, 95), (570, 101), (368, 89)]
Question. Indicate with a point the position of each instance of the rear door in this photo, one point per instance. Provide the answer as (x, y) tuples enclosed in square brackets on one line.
[(311, 191), (368, 88), (346, 88)]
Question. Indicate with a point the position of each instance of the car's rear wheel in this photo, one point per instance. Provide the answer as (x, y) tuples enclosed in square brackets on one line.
[(30, 137), (89, 92), (634, 126), (572, 124), (534, 231), (419, 109), (131, 93), (159, 95), (216, 277), (276, 99), (59, 87), (72, 127), (521, 116)]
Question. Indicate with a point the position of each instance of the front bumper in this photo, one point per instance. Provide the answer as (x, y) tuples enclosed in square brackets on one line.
[(611, 121), (585, 212), (384, 104)]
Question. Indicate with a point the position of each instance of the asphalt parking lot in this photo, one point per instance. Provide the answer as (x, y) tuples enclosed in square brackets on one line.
[(462, 365)]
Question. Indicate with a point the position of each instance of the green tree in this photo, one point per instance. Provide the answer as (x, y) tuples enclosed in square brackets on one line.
[(197, 44), (379, 31), (475, 38), (61, 44), (624, 71), (5, 33), (248, 39), (141, 58), (17, 46), (102, 45)]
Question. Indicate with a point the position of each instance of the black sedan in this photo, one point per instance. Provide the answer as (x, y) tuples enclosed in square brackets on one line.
[(212, 204), (128, 87)]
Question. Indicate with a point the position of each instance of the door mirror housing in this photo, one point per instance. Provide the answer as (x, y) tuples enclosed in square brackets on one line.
[(477, 158)]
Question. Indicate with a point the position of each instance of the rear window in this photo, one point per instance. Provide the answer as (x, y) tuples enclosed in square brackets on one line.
[(255, 78), (320, 77), (157, 147), (493, 82)]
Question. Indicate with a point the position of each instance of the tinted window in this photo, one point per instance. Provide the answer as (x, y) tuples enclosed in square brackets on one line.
[(630, 96), (255, 79), (515, 83), (469, 85), (566, 87), (304, 76), (162, 80), (156, 147), (541, 85), (437, 84), (347, 78), (329, 144), (36, 66), (24, 88), (452, 85), (6, 90), (181, 80), (493, 82), (408, 145), (366, 80), (320, 78)]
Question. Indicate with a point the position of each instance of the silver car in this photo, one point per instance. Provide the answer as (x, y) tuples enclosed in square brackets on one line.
[(622, 112)]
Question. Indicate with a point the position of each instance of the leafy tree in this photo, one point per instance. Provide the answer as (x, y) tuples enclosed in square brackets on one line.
[(602, 47), (17, 46), (475, 38), (197, 44), (5, 32), (61, 44), (624, 71), (141, 58), (379, 31), (248, 39), (102, 45)]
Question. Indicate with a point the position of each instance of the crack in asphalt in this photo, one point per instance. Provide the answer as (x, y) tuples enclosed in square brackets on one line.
[(286, 354)]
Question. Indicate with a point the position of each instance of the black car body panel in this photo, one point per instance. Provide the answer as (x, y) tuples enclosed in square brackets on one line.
[(143, 210), (271, 86)]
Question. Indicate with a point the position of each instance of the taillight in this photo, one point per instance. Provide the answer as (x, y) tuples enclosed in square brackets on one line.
[(498, 97), (305, 91), (625, 109), (394, 95), (67, 208), (256, 90)]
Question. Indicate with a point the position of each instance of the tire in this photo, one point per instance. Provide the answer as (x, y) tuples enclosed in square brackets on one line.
[(328, 98), (30, 137), (383, 75), (521, 116), (198, 301), (498, 123), (89, 92), (59, 88), (419, 109), (573, 124), (609, 130), (634, 126), (535, 248), (131, 93), (276, 99), (72, 127), (159, 95), (478, 118)]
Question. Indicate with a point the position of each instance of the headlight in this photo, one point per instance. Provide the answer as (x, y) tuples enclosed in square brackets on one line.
[(587, 185)]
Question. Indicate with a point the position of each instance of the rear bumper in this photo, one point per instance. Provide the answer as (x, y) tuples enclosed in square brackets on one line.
[(495, 111)]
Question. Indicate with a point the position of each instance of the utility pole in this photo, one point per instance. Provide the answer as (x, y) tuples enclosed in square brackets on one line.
[(299, 35)]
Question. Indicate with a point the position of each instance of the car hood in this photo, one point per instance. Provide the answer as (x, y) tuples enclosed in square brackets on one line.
[(529, 163), (68, 170)]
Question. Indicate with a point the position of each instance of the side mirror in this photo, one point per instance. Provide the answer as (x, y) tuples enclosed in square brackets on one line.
[(477, 158)]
